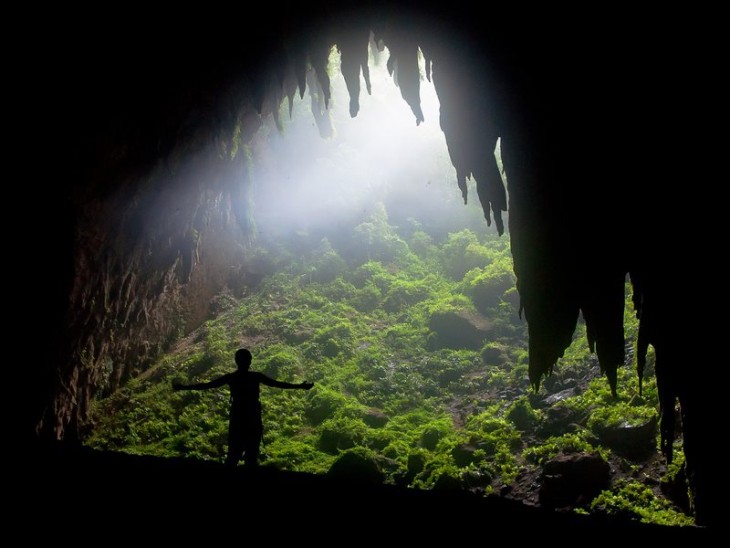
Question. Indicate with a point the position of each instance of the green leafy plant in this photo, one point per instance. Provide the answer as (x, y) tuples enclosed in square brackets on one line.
[(352, 313)]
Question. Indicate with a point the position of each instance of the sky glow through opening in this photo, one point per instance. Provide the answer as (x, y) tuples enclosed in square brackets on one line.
[(304, 182)]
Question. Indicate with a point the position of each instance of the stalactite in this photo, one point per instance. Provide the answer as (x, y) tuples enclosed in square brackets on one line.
[(352, 41), (403, 65), (602, 304), (319, 54)]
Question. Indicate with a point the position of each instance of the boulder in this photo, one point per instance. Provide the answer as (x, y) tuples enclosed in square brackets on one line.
[(522, 415), (448, 376), (431, 436), (463, 454), (458, 329), (375, 418), (552, 399), (493, 354), (447, 482), (334, 438), (573, 480), (322, 405), (356, 466), (631, 441), (474, 479), (416, 463), (558, 420)]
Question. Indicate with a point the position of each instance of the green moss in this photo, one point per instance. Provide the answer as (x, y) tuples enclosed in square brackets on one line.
[(521, 414), (340, 433), (621, 413), (355, 320), (299, 455), (279, 360), (580, 442), (461, 253), (486, 286), (323, 404), (633, 500), (404, 294)]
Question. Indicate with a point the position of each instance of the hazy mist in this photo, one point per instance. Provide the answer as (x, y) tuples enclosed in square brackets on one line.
[(306, 183)]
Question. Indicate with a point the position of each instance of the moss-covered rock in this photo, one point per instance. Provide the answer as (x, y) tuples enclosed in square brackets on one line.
[(558, 420), (494, 354), (627, 429), (463, 454), (431, 436), (322, 405), (375, 418), (416, 463), (522, 415), (635, 441), (357, 465), (447, 481), (458, 328), (340, 433), (573, 480)]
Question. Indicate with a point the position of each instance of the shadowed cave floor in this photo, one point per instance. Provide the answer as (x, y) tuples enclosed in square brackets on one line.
[(86, 494)]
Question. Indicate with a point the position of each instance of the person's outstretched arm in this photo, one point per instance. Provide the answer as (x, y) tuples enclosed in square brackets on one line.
[(215, 383), (268, 381)]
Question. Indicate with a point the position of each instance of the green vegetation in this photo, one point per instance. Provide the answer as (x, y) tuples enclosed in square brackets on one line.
[(635, 500), (357, 319)]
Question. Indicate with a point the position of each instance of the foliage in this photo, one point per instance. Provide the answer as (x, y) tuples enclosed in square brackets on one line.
[(521, 414), (462, 252), (580, 442), (487, 286), (635, 500), (351, 313)]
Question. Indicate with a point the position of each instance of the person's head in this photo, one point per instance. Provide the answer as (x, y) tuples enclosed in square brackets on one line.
[(243, 358)]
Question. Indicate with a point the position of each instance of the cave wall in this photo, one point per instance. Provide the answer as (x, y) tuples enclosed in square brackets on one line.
[(147, 219)]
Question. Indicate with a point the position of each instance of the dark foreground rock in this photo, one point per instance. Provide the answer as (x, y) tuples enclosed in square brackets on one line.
[(573, 480), (355, 466), (632, 441), (91, 495)]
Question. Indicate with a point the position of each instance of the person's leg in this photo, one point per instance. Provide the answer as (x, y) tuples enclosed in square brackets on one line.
[(235, 445), (253, 445), (251, 454), (235, 451)]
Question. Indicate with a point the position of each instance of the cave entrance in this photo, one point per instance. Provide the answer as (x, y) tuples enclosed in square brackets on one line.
[(317, 170), (143, 258)]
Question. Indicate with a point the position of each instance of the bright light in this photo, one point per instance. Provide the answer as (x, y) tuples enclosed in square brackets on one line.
[(304, 182)]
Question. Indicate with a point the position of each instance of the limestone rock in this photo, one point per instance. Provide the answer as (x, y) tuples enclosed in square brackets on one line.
[(573, 480), (458, 329)]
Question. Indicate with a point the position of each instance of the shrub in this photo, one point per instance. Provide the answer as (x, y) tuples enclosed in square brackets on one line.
[(461, 253), (486, 286)]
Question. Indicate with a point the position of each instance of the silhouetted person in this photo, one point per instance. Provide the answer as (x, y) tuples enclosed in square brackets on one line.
[(245, 427)]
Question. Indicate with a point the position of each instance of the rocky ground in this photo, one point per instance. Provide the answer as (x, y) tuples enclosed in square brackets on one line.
[(88, 496)]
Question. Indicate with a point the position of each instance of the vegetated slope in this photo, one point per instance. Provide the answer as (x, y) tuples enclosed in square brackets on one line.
[(412, 337)]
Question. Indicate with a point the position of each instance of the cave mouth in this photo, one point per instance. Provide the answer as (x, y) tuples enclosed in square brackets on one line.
[(128, 232), (366, 273), (314, 167)]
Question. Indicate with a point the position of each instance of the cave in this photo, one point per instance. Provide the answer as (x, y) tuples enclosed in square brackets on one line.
[(592, 117)]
